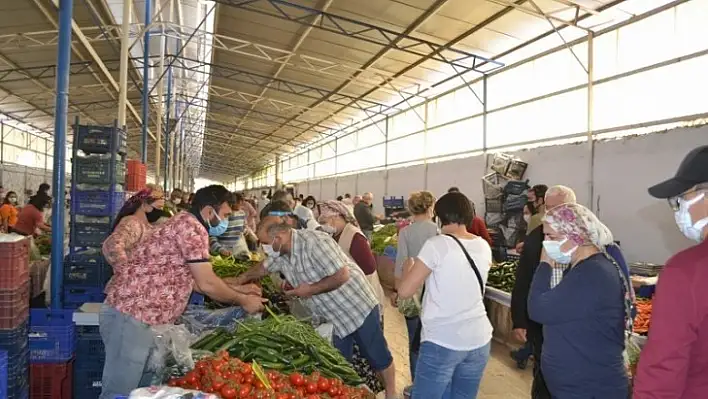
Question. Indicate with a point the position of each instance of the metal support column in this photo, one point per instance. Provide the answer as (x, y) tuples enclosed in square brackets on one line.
[(172, 144), (278, 181), (160, 99), (167, 124), (2, 145), (124, 55), (60, 126), (146, 81), (590, 111)]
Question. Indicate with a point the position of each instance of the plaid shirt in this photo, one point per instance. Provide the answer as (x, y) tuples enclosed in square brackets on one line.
[(557, 272), (315, 256)]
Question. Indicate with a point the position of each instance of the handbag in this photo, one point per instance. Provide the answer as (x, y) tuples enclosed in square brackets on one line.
[(480, 280)]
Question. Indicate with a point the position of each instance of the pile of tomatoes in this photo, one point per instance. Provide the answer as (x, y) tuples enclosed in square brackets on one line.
[(232, 378)]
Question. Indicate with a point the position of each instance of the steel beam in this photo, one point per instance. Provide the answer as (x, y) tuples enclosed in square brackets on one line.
[(361, 31), (146, 82), (59, 173), (124, 55)]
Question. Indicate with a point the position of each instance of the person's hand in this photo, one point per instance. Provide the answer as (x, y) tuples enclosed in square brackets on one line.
[(519, 247), (519, 334), (253, 304), (285, 286), (302, 291), (224, 252), (249, 289), (394, 299)]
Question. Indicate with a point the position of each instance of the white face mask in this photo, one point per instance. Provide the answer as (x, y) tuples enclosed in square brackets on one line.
[(527, 218), (328, 229), (177, 201), (270, 251), (553, 250), (692, 231)]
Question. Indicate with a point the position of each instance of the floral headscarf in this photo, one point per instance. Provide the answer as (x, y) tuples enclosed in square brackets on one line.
[(332, 208), (579, 224)]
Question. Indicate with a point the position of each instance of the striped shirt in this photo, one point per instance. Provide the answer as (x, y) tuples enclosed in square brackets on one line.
[(316, 256), (233, 234)]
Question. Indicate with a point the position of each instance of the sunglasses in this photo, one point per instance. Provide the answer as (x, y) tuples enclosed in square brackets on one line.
[(674, 202)]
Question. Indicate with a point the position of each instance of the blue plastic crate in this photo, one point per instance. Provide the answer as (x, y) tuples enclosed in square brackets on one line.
[(100, 139), (92, 275), (87, 382), (14, 341), (97, 170), (3, 374), (89, 234), (90, 351), (196, 299), (97, 202), (18, 376), (75, 296), (52, 338)]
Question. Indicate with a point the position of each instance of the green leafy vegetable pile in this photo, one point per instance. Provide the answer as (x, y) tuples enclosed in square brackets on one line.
[(503, 276), (384, 237)]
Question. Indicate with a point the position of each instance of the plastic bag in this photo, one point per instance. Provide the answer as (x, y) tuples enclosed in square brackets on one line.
[(198, 319), (171, 341), (159, 392)]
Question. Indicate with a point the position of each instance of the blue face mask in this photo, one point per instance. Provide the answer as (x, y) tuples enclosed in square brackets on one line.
[(553, 250), (220, 228)]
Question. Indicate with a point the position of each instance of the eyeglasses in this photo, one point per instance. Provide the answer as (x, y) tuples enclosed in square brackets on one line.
[(674, 202)]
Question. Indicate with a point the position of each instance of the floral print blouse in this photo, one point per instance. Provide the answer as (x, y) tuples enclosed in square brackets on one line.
[(117, 247)]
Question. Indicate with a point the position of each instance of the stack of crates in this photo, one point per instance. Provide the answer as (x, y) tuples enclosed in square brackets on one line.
[(136, 178), (97, 192), (52, 342), (14, 315), (88, 366)]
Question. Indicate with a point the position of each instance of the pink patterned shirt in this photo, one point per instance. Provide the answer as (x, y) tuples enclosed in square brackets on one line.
[(155, 283)]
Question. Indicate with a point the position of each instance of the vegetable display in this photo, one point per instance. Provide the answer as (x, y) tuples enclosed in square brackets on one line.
[(230, 377), (384, 237), (643, 318), (503, 276), (281, 343), (44, 244), (229, 266)]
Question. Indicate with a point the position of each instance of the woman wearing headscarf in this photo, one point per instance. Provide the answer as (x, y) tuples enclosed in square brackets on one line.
[(132, 224), (336, 219), (586, 315)]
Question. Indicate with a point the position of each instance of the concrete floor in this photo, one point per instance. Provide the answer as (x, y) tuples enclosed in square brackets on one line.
[(501, 377)]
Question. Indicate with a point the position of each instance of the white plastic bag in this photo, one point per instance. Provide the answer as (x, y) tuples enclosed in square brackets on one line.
[(171, 341), (160, 392)]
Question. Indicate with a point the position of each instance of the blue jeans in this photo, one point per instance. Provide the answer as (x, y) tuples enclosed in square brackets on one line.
[(412, 324), (443, 373), (128, 343)]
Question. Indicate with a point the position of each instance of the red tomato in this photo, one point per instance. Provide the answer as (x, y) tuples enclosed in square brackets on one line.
[(217, 384), (283, 396), (244, 391), (323, 385), (311, 387), (333, 391), (246, 369), (248, 379), (301, 391), (228, 392), (258, 384), (191, 378), (297, 379)]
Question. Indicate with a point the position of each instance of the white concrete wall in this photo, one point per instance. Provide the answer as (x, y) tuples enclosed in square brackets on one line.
[(623, 170)]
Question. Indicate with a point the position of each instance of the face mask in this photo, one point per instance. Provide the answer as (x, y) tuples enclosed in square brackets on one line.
[(692, 231), (553, 250), (270, 251), (527, 218), (220, 228), (177, 201), (328, 229)]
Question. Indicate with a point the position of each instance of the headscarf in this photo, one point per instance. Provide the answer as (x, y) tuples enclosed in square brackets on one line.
[(332, 208), (579, 224)]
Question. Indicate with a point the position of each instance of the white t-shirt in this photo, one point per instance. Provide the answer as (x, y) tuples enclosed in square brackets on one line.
[(453, 314)]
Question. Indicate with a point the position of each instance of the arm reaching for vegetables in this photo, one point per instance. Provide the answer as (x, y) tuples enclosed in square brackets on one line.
[(327, 284), (255, 273), (208, 283)]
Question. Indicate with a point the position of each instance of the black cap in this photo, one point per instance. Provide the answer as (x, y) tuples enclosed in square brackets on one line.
[(692, 171)]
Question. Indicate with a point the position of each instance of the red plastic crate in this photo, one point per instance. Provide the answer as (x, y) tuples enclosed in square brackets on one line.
[(14, 264), (14, 306), (134, 182), (51, 380)]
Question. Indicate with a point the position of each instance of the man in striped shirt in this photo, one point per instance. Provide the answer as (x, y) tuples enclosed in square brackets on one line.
[(231, 241)]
